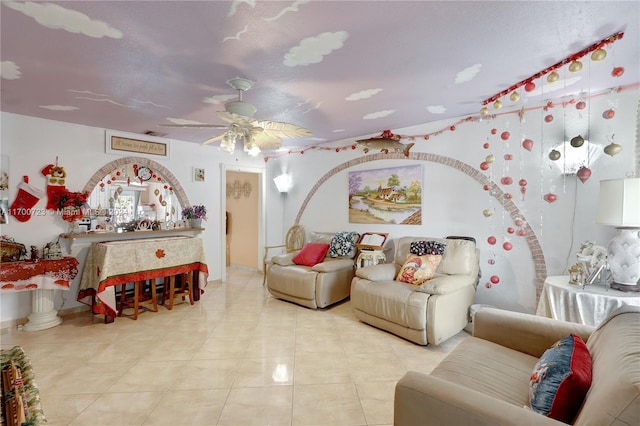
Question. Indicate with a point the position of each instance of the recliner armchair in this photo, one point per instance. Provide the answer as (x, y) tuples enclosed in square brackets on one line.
[(317, 286)]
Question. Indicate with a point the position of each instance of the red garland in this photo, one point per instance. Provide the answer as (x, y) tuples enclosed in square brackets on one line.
[(575, 56)]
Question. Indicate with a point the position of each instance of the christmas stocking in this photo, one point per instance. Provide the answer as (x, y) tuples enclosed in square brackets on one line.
[(55, 184), (27, 197)]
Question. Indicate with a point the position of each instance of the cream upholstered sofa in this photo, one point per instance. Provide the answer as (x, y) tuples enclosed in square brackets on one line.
[(316, 286), (485, 379), (427, 313)]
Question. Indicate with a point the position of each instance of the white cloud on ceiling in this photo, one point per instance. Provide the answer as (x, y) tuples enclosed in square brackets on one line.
[(436, 109), (379, 114), (467, 74), (236, 3), (238, 34), (181, 121), (56, 17), (218, 99), (292, 8), (337, 130), (552, 87), (59, 107), (312, 50), (363, 94), (9, 70)]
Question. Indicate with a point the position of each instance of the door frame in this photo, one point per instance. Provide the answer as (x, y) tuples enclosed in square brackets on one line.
[(224, 168)]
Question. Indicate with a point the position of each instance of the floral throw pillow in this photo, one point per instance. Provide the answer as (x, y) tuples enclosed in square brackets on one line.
[(418, 269), (561, 379), (427, 247), (343, 244)]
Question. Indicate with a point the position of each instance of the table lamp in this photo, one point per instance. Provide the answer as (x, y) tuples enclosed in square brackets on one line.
[(619, 206)]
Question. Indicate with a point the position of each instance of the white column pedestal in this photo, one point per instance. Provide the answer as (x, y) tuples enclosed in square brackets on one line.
[(43, 315)]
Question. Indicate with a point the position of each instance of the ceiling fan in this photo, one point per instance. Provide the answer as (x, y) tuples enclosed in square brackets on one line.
[(256, 134)]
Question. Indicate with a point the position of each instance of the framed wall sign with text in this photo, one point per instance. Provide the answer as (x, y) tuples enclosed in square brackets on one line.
[(122, 143)]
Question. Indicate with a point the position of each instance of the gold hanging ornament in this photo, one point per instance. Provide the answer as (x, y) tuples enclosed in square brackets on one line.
[(553, 77), (577, 141), (612, 149), (575, 66), (497, 104), (554, 155), (598, 55), (484, 111), (515, 96)]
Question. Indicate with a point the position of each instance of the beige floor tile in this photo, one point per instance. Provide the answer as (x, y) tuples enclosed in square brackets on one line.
[(190, 407), (119, 409), (270, 346), (148, 376), (74, 379), (258, 406), (260, 372), (62, 409), (377, 401), (207, 374), (223, 348), (322, 369), (310, 343), (329, 404), (355, 343), (376, 367)]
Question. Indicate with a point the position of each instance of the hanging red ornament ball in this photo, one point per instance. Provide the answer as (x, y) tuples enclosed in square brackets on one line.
[(487, 285), (491, 261), (426, 137), (530, 86), (337, 149), (495, 279), (491, 240), (617, 71), (486, 187), (508, 196), (484, 165), (494, 131), (521, 232), (506, 180), (519, 222), (108, 182), (508, 157), (505, 135), (510, 230), (548, 118), (353, 147), (608, 114), (550, 197), (584, 174), (527, 144), (522, 182), (486, 145), (581, 105), (165, 187), (170, 188), (118, 173), (301, 152), (507, 246), (452, 128)]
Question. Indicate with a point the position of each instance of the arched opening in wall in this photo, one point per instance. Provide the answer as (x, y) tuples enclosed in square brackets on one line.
[(243, 205), (540, 267), (137, 187)]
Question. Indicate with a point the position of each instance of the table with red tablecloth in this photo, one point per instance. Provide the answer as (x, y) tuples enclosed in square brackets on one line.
[(49, 274), (112, 263)]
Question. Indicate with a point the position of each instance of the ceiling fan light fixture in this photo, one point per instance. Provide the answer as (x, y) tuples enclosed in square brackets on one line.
[(251, 147), (228, 143)]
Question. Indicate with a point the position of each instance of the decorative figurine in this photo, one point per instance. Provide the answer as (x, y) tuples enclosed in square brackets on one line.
[(576, 274)]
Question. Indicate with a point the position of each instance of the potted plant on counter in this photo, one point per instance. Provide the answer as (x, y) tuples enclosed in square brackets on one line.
[(195, 215)]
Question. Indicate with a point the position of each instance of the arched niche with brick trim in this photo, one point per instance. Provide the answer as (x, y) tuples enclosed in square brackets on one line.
[(510, 207), (169, 177)]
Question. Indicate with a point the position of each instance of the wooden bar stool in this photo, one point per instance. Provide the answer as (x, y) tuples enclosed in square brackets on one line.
[(183, 289), (138, 298)]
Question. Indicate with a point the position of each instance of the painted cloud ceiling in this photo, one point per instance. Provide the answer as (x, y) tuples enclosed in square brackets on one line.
[(342, 69)]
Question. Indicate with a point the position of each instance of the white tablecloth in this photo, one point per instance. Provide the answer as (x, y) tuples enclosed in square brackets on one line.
[(567, 302)]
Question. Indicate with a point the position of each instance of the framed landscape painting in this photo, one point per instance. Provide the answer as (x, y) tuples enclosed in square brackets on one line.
[(386, 196)]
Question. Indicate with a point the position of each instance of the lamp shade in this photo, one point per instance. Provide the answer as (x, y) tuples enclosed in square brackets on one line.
[(619, 203)]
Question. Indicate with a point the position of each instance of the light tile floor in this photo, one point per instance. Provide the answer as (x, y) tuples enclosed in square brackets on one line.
[(236, 357)]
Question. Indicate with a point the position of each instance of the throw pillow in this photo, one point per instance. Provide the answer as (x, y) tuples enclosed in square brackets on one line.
[(343, 244), (418, 269), (311, 254), (561, 379), (421, 248)]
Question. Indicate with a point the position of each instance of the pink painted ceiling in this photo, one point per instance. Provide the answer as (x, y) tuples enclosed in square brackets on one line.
[(341, 69)]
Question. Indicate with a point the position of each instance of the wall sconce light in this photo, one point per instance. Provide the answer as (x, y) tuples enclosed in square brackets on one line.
[(283, 182)]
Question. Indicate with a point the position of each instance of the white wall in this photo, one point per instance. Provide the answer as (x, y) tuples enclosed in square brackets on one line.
[(32, 143), (453, 202)]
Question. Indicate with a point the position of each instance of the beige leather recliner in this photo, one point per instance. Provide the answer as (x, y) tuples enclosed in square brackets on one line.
[(317, 286), (485, 379), (427, 313)]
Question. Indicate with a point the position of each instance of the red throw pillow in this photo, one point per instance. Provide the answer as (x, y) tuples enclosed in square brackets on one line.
[(311, 254), (561, 379)]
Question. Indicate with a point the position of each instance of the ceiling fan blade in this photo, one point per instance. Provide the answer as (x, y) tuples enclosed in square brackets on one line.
[(195, 126), (230, 117), (266, 141), (283, 130), (213, 139)]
